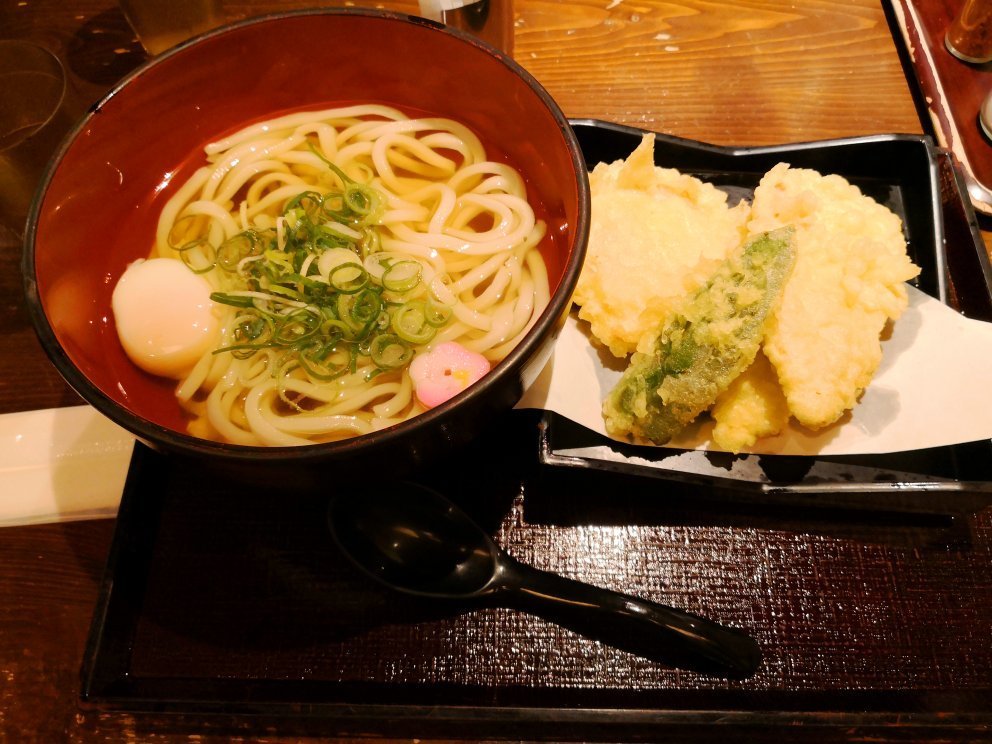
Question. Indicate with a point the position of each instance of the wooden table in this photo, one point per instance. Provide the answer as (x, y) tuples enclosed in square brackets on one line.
[(744, 73)]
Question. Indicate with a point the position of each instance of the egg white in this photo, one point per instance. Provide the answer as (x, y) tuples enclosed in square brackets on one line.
[(164, 316)]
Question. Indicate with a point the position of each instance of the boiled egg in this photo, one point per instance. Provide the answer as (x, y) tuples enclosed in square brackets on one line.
[(164, 315)]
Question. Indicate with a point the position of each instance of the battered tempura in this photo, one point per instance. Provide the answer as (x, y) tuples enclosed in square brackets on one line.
[(656, 236), (851, 263), (706, 345), (754, 406)]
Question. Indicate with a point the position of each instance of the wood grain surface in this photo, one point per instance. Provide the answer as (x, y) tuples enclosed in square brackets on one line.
[(745, 73)]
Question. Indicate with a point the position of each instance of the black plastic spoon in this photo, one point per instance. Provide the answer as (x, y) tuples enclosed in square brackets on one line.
[(415, 541)]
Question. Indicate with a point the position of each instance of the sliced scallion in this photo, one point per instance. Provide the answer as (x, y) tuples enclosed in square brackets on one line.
[(409, 322), (198, 255), (389, 352), (402, 276), (348, 278), (310, 286)]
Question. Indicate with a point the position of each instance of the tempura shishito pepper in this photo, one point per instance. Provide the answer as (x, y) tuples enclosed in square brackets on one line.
[(703, 348)]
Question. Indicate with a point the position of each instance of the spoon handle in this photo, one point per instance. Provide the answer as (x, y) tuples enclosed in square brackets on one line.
[(648, 629)]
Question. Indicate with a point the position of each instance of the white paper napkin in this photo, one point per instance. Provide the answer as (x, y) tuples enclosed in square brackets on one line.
[(61, 464)]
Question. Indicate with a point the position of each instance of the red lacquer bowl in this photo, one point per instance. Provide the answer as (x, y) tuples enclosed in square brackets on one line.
[(98, 204)]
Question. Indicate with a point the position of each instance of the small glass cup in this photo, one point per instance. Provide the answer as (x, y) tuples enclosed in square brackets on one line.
[(490, 20), (37, 109), (969, 37), (985, 115), (161, 24)]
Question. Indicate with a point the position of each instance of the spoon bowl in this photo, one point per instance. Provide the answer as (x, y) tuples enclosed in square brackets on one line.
[(413, 540), (416, 541)]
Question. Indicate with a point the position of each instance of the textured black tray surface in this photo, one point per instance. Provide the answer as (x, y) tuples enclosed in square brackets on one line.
[(222, 597)]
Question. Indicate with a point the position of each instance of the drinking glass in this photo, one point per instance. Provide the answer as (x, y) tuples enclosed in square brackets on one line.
[(969, 37), (490, 20), (37, 109), (161, 24)]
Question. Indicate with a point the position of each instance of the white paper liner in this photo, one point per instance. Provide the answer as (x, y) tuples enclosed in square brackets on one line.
[(933, 388)]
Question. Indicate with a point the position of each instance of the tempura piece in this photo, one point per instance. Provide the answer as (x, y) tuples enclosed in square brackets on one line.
[(656, 237), (753, 406), (711, 340), (851, 262)]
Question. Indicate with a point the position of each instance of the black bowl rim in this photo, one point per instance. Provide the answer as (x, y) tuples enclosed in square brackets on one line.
[(172, 440)]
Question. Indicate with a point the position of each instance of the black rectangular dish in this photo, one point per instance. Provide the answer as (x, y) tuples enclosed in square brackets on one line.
[(917, 182), (227, 605)]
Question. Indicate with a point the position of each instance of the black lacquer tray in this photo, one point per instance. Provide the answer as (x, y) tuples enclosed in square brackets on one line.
[(227, 605)]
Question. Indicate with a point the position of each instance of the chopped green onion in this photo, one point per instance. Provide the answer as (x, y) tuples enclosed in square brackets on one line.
[(348, 278), (300, 324), (233, 300), (409, 322), (288, 292), (308, 203), (360, 311), (389, 352), (361, 199), (198, 255), (321, 371), (370, 243), (402, 276), (238, 247), (436, 314), (323, 324)]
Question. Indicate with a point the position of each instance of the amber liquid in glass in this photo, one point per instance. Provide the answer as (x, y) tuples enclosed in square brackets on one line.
[(32, 121), (969, 36)]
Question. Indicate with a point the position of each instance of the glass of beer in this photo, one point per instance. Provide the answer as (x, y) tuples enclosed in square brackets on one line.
[(969, 37), (161, 24)]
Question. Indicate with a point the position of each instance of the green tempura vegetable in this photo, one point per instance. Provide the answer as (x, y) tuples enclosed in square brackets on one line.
[(705, 346)]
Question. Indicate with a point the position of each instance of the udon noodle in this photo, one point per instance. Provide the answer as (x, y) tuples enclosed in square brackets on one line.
[(340, 244)]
